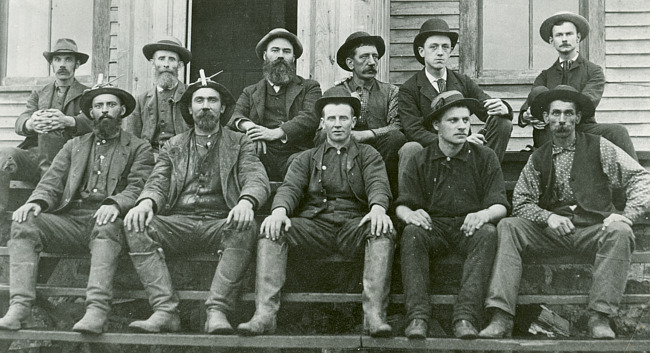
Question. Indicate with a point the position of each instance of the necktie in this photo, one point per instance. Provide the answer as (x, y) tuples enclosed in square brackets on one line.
[(442, 85), (566, 66)]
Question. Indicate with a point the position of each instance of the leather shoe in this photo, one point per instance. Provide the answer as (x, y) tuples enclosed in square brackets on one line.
[(417, 329), (465, 330), (500, 326), (217, 323), (599, 327)]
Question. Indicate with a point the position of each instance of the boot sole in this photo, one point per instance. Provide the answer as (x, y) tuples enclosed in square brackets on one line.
[(221, 331)]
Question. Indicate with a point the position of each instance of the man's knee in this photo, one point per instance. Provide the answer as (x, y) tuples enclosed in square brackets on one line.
[(501, 127), (621, 234), (413, 236), (140, 241), (30, 229), (409, 150), (112, 231), (394, 140), (8, 164), (243, 239)]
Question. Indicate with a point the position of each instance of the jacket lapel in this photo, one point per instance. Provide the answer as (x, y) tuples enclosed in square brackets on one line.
[(258, 100), (293, 90), (119, 162), (79, 160), (45, 96), (76, 90), (151, 107), (426, 88), (179, 122), (228, 157)]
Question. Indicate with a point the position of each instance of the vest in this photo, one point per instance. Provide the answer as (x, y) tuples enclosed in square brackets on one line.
[(377, 104), (275, 107)]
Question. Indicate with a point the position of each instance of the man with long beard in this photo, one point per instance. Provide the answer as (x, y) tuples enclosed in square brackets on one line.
[(93, 181), (203, 191), (277, 113), (156, 117)]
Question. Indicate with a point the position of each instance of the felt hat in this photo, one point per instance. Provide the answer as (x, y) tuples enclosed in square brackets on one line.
[(227, 98), (86, 100), (562, 92), (448, 99), (434, 26), (65, 46), (279, 33), (354, 40), (581, 23), (337, 97), (167, 43)]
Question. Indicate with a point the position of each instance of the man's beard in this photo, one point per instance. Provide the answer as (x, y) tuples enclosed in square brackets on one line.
[(206, 120), (279, 72), (166, 79), (106, 127)]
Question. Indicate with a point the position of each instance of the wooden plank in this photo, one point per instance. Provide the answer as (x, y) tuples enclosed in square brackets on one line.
[(4, 30), (406, 35), (628, 60), (627, 75), (411, 64), (18, 97), (628, 46), (627, 90), (627, 33), (627, 6), (406, 50), (625, 19), (624, 104), (622, 117), (425, 8), (415, 22), (594, 10), (100, 39)]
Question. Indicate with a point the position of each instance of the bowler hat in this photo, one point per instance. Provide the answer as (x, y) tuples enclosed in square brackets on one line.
[(354, 40), (86, 101), (65, 46), (337, 97), (279, 33), (581, 23), (448, 99), (434, 26), (167, 43), (562, 92), (227, 99)]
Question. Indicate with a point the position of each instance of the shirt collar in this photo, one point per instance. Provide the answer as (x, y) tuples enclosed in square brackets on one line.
[(573, 59), (276, 88), (353, 85), (346, 147), (160, 89), (99, 140), (559, 149), (462, 155), (433, 79)]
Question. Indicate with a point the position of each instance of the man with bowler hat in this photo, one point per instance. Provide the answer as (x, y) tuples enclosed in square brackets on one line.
[(378, 124), (52, 117), (77, 206), (451, 197), (156, 117), (277, 113), (564, 31)]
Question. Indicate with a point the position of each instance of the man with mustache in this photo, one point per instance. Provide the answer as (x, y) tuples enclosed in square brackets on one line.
[(564, 31), (277, 113), (201, 196), (156, 117), (452, 195), (77, 206), (379, 124), (52, 117), (562, 204)]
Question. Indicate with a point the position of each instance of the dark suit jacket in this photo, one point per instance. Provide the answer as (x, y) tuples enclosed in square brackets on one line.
[(130, 167), (302, 121), (41, 99), (144, 119), (366, 174), (415, 97), (242, 173)]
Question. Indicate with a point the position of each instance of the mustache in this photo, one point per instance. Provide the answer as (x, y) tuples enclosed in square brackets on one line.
[(370, 70), (62, 71)]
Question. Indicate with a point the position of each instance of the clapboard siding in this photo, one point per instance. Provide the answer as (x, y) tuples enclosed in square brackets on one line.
[(113, 33), (12, 104)]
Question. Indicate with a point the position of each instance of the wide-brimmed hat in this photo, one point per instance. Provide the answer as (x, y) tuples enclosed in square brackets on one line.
[(337, 97), (581, 23), (227, 99), (279, 33), (167, 43), (65, 46), (562, 92), (448, 99), (534, 92), (354, 40), (434, 26), (86, 101)]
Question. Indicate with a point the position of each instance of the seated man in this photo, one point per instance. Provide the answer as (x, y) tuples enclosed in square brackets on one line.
[(337, 194), (204, 189), (451, 197), (93, 180), (562, 204)]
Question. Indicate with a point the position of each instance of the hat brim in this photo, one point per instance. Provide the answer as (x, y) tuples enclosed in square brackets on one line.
[(475, 107), (149, 49), (125, 97), (540, 102), (83, 58), (342, 53), (354, 102), (546, 29), (226, 98), (422, 37), (261, 45)]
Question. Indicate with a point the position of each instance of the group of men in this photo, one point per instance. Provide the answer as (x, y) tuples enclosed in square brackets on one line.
[(193, 165)]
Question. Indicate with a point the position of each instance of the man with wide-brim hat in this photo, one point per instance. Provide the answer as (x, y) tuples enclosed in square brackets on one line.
[(201, 196), (452, 194), (563, 204), (378, 124), (78, 205), (432, 47), (277, 113), (333, 200), (156, 117), (564, 31), (52, 117)]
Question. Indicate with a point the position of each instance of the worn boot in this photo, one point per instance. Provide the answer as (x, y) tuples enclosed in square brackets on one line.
[(23, 265), (99, 293), (225, 289), (599, 327), (376, 285), (157, 282), (271, 274), (500, 326)]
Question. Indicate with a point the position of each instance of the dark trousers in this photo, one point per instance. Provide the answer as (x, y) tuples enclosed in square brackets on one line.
[(277, 158), (16, 164), (49, 145), (419, 247)]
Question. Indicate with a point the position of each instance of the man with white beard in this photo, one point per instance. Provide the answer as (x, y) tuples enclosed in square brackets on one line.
[(156, 117), (277, 113)]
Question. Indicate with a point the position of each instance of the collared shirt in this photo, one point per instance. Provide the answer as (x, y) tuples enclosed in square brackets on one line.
[(621, 170), (334, 176), (275, 87), (99, 161), (573, 59), (165, 110), (434, 81), (390, 122)]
